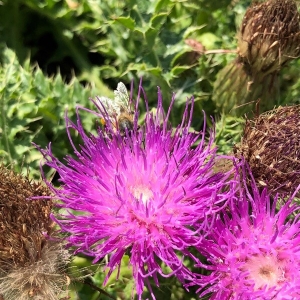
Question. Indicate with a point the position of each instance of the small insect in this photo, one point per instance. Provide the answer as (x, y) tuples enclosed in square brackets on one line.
[(118, 110)]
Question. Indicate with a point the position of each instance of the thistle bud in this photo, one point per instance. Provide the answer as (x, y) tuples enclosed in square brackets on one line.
[(271, 146), (236, 92), (32, 265), (268, 38), (269, 35)]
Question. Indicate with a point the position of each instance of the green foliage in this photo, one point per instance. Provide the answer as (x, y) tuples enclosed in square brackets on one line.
[(100, 41), (33, 107), (228, 133), (114, 39)]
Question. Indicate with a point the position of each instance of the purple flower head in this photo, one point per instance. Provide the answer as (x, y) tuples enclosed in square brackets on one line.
[(253, 252), (147, 192)]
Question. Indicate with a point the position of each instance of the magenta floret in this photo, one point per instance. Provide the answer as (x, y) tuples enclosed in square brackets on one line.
[(148, 193), (253, 251)]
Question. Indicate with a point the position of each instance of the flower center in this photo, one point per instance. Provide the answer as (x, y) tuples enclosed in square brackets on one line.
[(142, 192), (265, 271)]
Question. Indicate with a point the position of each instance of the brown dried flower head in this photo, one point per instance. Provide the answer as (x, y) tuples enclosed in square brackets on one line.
[(32, 265), (271, 146), (269, 35)]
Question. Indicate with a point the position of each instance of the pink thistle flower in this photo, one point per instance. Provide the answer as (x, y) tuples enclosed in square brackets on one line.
[(147, 192), (253, 251)]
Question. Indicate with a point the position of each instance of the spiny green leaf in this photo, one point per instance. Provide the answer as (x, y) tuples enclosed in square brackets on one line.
[(126, 21), (179, 69), (192, 30), (31, 101), (158, 20), (161, 4)]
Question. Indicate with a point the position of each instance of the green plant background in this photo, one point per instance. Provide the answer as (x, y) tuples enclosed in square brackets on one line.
[(57, 54)]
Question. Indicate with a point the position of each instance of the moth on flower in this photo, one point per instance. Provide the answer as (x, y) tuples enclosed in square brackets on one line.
[(118, 111)]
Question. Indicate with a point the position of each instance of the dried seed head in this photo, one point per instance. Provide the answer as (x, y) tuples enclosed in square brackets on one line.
[(271, 146), (31, 264), (44, 279), (269, 35)]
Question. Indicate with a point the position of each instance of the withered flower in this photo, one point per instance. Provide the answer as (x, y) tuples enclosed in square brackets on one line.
[(269, 35), (271, 146), (32, 266)]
